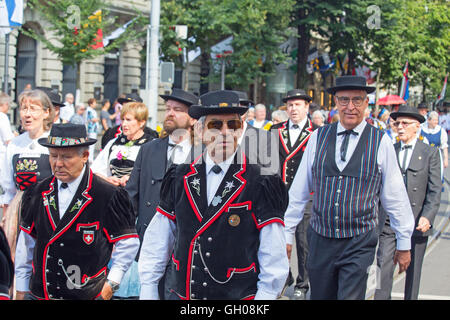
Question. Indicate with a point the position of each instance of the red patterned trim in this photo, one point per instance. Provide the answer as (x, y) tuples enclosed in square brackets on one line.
[(168, 214), (188, 190), (96, 224), (251, 297), (29, 230), (265, 223), (177, 262), (241, 270), (125, 236), (102, 270), (47, 205), (247, 205)]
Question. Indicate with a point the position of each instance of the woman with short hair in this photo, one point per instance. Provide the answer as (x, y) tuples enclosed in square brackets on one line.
[(115, 162)]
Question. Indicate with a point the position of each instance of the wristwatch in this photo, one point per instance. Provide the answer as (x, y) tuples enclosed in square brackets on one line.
[(114, 285)]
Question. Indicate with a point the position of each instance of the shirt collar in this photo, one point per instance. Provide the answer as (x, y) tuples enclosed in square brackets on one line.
[(412, 143), (184, 144), (73, 185), (223, 165), (359, 128), (301, 124)]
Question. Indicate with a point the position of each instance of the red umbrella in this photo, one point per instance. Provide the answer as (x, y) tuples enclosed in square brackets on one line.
[(390, 99)]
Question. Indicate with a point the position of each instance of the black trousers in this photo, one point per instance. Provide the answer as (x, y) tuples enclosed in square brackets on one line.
[(301, 242), (338, 268), (385, 263)]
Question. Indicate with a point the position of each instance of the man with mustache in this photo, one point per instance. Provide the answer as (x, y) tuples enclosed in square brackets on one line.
[(350, 166), (219, 224)]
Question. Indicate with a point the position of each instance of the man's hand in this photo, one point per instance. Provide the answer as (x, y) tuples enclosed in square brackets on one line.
[(20, 295), (107, 291), (423, 225), (124, 180), (289, 250), (403, 258)]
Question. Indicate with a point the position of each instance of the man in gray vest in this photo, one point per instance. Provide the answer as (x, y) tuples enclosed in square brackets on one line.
[(350, 166)]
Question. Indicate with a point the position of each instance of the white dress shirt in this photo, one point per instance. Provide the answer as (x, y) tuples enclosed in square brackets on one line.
[(122, 256), (181, 150), (393, 195), (402, 153), (295, 132), (160, 237)]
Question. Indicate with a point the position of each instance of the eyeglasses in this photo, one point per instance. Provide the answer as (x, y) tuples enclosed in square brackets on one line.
[(403, 123), (344, 101), (32, 109), (218, 124)]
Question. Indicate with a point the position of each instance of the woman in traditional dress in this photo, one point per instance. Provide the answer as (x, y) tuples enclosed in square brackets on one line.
[(26, 162), (115, 162)]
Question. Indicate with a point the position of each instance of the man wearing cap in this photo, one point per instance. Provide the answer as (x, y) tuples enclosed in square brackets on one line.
[(420, 166), (350, 166), (293, 136), (70, 224), (55, 98), (219, 224)]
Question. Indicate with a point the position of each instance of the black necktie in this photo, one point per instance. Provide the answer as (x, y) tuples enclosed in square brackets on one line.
[(344, 145), (406, 147), (64, 185), (295, 126), (216, 169)]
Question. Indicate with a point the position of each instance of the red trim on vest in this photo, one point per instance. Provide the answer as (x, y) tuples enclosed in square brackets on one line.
[(188, 192), (241, 270), (265, 223)]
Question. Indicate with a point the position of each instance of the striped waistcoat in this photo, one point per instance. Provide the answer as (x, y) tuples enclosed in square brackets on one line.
[(346, 202)]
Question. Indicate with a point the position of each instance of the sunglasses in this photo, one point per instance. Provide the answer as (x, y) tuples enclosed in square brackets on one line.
[(403, 123), (218, 124)]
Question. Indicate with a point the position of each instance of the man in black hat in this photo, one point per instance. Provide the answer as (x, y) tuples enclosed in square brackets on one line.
[(70, 223), (293, 136), (219, 223), (350, 166), (423, 109), (420, 165), (155, 157)]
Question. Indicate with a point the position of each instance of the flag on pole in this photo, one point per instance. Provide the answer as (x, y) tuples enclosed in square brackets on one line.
[(11, 15), (441, 95), (404, 89), (116, 33)]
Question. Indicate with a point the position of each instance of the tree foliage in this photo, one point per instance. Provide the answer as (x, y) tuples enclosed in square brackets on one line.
[(75, 26)]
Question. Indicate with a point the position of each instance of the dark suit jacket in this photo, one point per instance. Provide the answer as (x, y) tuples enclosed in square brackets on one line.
[(145, 181), (423, 182)]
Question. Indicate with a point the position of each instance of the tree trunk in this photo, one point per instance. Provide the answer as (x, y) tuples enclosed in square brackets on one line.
[(302, 51)]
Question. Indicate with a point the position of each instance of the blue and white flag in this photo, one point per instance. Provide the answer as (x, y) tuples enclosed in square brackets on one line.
[(11, 15)]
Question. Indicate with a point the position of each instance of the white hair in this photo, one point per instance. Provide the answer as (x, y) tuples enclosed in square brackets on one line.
[(260, 106), (318, 112), (281, 114), (433, 114)]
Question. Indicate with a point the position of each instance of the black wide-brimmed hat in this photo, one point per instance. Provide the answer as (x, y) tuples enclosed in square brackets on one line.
[(53, 95), (181, 96), (422, 105), (67, 135), (350, 83), (243, 98), (297, 94), (407, 111), (130, 97), (217, 102)]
